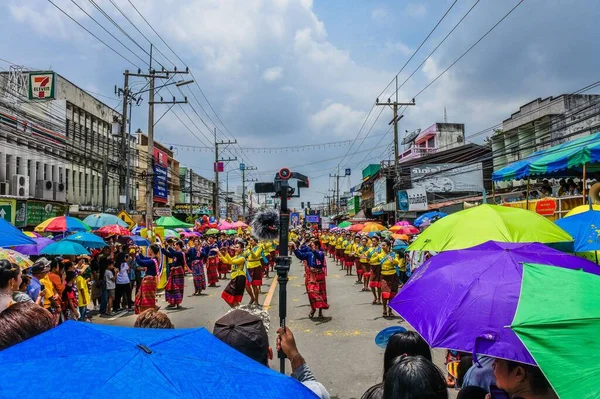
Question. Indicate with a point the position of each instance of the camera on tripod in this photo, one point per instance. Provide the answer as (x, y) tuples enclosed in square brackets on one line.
[(281, 183)]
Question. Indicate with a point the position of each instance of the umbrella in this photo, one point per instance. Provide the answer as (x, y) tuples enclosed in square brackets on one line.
[(402, 223), (231, 232), (32, 234), (224, 225), (395, 229), (171, 222), (188, 234), (211, 231), (15, 257), (429, 217), (98, 220), (584, 228), (559, 327), (34, 249), (399, 245), (483, 223), (402, 237), (464, 299), (10, 235), (238, 224), (356, 227), (581, 209), (409, 230), (154, 358), (171, 234), (87, 240), (113, 230), (61, 224), (344, 224), (372, 226), (65, 247), (134, 240)]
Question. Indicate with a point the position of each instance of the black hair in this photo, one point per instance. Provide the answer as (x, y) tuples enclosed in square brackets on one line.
[(414, 377), (472, 392), (404, 343), (70, 275), (56, 262), (8, 271), (22, 321), (464, 365), (538, 383), (155, 249), (25, 280), (388, 242), (110, 262), (121, 258), (179, 243), (375, 392)]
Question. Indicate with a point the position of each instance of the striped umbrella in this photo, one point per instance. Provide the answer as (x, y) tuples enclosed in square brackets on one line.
[(61, 224)]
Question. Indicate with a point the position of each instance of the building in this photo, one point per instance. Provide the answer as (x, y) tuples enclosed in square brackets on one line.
[(57, 147), (543, 123), (437, 137), (196, 194)]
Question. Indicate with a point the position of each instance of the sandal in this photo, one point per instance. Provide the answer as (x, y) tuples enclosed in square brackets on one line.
[(311, 314), (374, 302)]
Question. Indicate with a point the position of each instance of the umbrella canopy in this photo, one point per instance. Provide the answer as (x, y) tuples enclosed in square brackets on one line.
[(10, 235), (402, 237), (87, 240), (134, 240), (356, 227), (409, 230), (231, 232), (372, 227), (98, 220), (402, 223), (581, 209), (65, 247), (344, 224), (483, 223), (113, 230), (464, 299), (395, 228), (171, 222), (61, 224), (211, 231), (429, 217), (224, 225), (16, 257), (34, 249), (239, 224), (559, 327), (153, 357), (584, 228), (32, 234), (171, 234)]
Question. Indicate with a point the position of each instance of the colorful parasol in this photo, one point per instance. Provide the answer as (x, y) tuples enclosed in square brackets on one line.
[(231, 232), (34, 249), (224, 225), (402, 237), (239, 224), (10, 235), (356, 227), (171, 222), (32, 234), (402, 223), (344, 224), (211, 232), (428, 218), (113, 230), (87, 240), (98, 220), (171, 234), (581, 209), (370, 227), (16, 257), (409, 230), (65, 247), (62, 224)]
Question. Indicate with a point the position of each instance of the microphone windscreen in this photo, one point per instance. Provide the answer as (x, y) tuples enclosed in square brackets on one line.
[(265, 225)]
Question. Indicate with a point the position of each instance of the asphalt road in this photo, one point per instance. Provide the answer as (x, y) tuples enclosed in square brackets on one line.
[(340, 348)]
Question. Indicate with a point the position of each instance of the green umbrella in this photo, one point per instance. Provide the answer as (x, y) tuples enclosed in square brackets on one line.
[(344, 224), (231, 232), (211, 231), (171, 222), (474, 226), (559, 327)]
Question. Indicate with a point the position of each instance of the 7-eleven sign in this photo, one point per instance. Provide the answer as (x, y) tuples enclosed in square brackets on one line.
[(41, 85)]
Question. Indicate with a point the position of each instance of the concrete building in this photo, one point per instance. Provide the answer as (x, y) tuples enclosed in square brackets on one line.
[(57, 146), (437, 137), (201, 189), (543, 123)]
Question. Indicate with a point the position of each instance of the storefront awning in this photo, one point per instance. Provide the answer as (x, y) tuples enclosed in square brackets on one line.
[(381, 209)]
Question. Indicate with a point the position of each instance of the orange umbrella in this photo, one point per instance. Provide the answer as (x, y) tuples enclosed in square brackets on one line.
[(395, 229), (372, 226), (356, 227), (402, 237)]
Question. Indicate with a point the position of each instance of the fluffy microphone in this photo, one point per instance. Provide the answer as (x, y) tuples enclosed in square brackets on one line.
[(265, 225)]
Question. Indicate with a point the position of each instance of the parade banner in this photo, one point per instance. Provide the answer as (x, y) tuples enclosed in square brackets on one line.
[(412, 200)]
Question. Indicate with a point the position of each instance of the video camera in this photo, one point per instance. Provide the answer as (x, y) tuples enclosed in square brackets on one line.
[(281, 182)]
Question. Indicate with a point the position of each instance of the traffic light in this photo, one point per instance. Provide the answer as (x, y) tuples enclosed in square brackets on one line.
[(302, 205)]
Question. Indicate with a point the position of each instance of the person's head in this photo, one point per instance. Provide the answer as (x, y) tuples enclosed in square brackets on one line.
[(375, 240), (239, 247), (404, 343), (211, 239), (10, 275), (22, 321), (246, 333), (464, 365), (70, 276), (386, 246), (562, 183), (110, 263), (252, 241), (414, 377), (472, 392), (375, 392), (55, 265), (68, 266), (153, 250), (40, 268), (520, 378), (364, 241), (152, 318), (356, 239), (179, 245), (25, 280)]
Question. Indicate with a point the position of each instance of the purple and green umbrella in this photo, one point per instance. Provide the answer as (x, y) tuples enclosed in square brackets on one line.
[(465, 299)]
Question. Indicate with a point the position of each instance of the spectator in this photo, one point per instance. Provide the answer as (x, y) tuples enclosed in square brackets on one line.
[(375, 392), (472, 393), (109, 279), (152, 318), (466, 361), (572, 189), (69, 301), (522, 380), (20, 295), (39, 270), (414, 377), (247, 333), (123, 284), (481, 373), (83, 299), (23, 321), (55, 276), (10, 280), (563, 188)]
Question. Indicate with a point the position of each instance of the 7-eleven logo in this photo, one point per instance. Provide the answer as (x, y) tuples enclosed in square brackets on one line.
[(41, 85)]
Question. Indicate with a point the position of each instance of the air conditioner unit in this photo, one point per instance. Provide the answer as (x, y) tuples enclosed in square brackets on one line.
[(20, 185), (60, 192), (44, 189), (4, 188)]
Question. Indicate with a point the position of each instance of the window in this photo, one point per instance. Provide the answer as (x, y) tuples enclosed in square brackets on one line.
[(431, 142)]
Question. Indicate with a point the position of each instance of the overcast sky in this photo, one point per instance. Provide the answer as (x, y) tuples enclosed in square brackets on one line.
[(298, 72)]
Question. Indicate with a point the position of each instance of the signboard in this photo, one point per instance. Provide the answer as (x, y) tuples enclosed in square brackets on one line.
[(242, 166), (124, 216), (546, 207), (312, 219), (218, 166), (348, 172), (38, 211), (325, 222), (448, 177), (160, 212), (193, 209), (380, 191), (412, 200), (41, 85), (160, 189), (294, 218), (21, 214), (6, 211), (353, 205)]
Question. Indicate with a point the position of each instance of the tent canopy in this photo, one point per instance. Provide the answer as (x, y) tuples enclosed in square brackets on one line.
[(565, 159), (171, 222)]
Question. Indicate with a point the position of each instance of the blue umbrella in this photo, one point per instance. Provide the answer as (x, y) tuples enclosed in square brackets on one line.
[(64, 247), (10, 235), (87, 240), (103, 219), (134, 240), (143, 363), (584, 228), (399, 245), (429, 217)]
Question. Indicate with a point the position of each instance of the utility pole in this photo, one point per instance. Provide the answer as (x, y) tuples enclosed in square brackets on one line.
[(336, 194), (191, 193), (244, 168), (124, 141), (216, 168), (104, 181)]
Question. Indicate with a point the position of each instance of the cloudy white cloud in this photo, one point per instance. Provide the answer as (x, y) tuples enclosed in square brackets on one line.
[(272, 74)]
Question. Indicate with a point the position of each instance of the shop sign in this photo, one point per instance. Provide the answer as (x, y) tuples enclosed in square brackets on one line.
[(546, 207)]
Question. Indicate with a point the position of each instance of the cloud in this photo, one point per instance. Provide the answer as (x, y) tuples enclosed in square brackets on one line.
[(416, 10), (272, 74), (380, 15), (397, 48), (337, 119)]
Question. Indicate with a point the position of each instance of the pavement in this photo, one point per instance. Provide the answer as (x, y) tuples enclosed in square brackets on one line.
[(339, 348)]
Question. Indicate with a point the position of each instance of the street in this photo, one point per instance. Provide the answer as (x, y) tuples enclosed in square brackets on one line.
[(339, 348)]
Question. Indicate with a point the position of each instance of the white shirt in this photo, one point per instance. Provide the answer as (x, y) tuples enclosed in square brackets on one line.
[(123, 275), (108, 277)]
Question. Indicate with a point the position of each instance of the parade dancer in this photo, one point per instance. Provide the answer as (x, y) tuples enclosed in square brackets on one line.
[(356, 251), (254, 254), (316, 285), (210, 254), (364, 262), (146, 296), (391, 266), (223, 243), (375, 279), (233, 293), (338, 249), (348, 250), (176, 279), (194, 255)]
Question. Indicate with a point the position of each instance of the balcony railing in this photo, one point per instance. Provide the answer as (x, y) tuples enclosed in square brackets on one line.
[(417, 152)]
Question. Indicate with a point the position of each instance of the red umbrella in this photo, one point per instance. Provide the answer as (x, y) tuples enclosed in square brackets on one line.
[(113, 230), (409, 230), (356, 227)]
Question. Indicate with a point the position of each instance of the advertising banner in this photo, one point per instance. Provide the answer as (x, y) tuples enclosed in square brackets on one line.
[(38, 211), (159, 180), (379, 191), (448, 177), (412, 200)]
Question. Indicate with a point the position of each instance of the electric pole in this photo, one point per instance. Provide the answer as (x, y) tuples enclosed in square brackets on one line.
[(216, 168), (336, 193), (244, 168), (191, 193)]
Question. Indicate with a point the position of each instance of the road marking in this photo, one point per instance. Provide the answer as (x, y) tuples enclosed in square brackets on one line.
[(267, 303), (123, 313)]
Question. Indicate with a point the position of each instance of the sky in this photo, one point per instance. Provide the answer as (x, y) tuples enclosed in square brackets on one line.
[(288, 73)]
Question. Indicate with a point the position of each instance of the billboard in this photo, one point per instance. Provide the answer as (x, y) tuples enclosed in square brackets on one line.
[(447, 177), (159, 179), (414, 199), (41, 85), (379, 191)]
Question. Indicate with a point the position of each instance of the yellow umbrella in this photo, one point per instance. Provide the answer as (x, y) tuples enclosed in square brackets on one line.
[(16, 257), (31, 234), (581, 209), (373, 226), (395, 229)]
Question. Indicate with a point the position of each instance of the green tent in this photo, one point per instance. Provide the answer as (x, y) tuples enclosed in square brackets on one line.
[(171, 222)]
